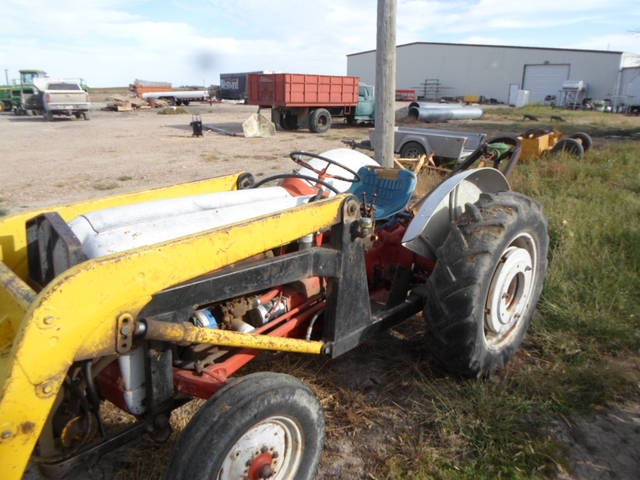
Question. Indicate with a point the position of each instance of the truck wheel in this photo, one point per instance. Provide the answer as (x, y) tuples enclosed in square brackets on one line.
[(488, 277), (584, 139), (264, 425), (319, 121), (570, 146), (185, 103), (412, 150)]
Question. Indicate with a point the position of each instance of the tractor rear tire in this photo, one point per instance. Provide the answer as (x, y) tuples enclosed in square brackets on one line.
[(584, 139), (319, 120), (570, 146), (486, 283), (412, 150), (238, 431)]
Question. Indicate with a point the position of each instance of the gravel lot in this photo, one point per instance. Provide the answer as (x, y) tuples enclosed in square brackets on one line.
[(69, 160)]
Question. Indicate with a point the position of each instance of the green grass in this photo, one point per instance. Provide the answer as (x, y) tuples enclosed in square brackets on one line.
[(106, 185), (592, 287), (596, 124), (586, 328), (582, 345), (125, 178), (173, 111)]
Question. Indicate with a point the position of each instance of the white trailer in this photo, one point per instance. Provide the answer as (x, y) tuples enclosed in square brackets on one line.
[(178, 98)]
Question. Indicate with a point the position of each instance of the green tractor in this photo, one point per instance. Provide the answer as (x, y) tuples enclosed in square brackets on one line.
[(22, 98), (26, 98)]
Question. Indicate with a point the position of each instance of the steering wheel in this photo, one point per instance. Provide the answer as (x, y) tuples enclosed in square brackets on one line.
[(295, 175), (322, 174)]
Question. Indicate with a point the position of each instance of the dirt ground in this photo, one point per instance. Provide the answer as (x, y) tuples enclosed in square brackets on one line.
[(67, 160)]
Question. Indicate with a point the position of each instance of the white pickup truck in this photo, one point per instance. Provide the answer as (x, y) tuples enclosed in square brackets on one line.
[(60, 98)]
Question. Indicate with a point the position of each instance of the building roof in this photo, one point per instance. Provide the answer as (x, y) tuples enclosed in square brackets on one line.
[(494, 46)]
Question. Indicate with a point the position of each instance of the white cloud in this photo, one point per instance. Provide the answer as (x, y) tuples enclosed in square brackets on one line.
[(112, 42)]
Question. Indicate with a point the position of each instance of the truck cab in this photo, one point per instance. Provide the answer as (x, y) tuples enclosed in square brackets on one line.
[(366, 109)]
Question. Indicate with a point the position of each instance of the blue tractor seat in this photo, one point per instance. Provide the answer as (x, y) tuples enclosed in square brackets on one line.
[(393, 188)]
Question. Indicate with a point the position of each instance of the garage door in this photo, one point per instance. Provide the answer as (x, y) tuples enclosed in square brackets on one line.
[(543, 80)]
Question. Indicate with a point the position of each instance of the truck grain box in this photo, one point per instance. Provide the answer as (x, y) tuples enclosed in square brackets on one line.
[(311, 101)]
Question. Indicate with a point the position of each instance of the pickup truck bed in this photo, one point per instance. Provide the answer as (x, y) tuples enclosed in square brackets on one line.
[(66, 99)]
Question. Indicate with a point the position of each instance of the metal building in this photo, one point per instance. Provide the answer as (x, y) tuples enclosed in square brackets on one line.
[(437, 70)]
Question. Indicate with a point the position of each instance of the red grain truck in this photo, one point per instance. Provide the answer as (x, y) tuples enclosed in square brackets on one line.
[(311, 101)]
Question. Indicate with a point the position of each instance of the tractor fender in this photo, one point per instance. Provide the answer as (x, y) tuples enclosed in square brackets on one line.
[(446, 203)]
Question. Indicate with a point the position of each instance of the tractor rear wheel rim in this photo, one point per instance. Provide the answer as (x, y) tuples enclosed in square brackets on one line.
[(510, 291)]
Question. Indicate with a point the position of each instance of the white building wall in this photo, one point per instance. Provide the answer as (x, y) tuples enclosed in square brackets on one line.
[(488, 71), (630, 85)]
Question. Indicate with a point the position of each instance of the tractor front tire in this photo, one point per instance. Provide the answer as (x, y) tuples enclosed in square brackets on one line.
[(486, 283), (319, 120), (264, 422)]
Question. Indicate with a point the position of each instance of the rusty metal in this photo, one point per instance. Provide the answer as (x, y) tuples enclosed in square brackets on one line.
[(124, 333)]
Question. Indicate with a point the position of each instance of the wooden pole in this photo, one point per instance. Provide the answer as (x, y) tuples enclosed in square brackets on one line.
[(385, 82)]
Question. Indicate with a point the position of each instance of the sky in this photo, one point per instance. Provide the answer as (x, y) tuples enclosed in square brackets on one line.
[(110, 43)]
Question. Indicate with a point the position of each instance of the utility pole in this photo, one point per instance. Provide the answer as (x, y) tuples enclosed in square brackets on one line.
[(385, 82), (6, 75)]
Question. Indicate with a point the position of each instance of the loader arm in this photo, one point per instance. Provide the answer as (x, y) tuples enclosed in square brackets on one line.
[(76, 316)]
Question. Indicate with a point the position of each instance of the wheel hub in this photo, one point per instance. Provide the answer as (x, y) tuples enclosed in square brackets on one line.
[(271, 449), (509, 293)]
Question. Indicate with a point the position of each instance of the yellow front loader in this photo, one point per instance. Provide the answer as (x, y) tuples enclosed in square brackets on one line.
[(152, 325)]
